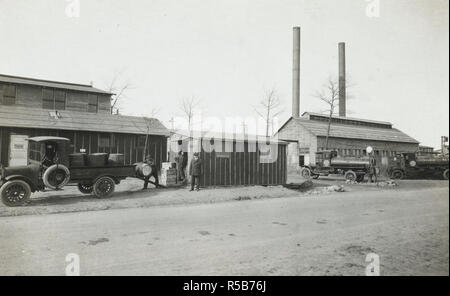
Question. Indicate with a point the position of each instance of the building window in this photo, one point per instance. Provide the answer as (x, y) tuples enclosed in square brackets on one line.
[(92, 103), (60, 99), (54, 99), (9, 94)]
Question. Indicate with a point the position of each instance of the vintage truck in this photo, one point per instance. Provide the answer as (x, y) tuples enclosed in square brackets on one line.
[(327, 162), (51, 165), (406, 165)]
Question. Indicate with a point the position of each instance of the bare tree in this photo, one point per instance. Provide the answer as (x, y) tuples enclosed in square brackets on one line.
[(188, 106), (119, 91), (269, 108), (330, 96)]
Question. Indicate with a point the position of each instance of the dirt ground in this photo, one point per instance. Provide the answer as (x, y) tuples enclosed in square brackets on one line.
[(407, 226), (129, 194)]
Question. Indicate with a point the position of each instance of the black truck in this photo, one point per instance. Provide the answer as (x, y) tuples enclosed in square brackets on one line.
[(406, 165), (51, 165)]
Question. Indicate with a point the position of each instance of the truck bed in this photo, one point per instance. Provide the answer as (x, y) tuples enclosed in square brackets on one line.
[(91, 173)]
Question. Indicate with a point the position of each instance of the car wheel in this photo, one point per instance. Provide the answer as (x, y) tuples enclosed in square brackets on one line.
[(104, 187), (15, 193), (85, 188), (445, 174)]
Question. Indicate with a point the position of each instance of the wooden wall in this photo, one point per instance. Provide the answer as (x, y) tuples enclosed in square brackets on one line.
[(132, 146), (31, 96)]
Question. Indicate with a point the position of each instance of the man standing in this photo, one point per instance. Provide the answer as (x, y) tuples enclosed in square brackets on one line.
[(179, 159), (372, 168), (195, 170), (149, 160)]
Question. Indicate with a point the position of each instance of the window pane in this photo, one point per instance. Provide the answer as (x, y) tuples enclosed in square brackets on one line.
[(60, 99), (47, 98), (92, 108), (60, 105), (9, 91), (8, 100), (47, 104)]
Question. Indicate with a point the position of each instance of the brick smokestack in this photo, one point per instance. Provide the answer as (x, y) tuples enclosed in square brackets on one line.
[(296, 73), (342, 86)]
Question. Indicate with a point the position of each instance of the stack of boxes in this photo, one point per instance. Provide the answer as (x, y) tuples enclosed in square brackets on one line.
[(168, 174)]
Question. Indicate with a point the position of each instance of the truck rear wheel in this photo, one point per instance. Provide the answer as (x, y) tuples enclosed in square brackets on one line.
[(350, 176), (15, 193), (445, 174), (85, 188), (104, 187), (397, 174), (360, 178)]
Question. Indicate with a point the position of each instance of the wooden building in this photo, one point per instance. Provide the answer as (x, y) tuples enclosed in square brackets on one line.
[(230, 160), (33, 107), (349, 136)]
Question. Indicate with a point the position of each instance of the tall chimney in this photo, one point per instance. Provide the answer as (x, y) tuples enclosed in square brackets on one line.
[(296, 74), (342, 87)]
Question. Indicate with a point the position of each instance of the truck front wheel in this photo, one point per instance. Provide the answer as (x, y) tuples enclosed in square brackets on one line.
[(15, 193), (397, 174), (306, 173), (350, 176), (445, 174), (104, 187)]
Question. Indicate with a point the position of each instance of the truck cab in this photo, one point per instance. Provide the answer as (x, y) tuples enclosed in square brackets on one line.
[(323, 158), (18, 182)]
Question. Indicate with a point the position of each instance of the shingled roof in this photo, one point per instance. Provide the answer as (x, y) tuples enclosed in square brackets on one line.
[(16, 116), (53, 84), (348, 131)]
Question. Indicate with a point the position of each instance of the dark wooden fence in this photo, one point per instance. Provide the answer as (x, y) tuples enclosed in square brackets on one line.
[(242, 166)]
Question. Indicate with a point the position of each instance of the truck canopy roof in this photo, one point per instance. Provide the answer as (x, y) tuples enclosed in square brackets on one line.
[(47, 138)]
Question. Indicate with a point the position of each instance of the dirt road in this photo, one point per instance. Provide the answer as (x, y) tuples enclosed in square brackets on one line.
[(321, 235)]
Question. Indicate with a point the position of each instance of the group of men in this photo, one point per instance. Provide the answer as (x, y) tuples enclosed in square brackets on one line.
[(195, 170)]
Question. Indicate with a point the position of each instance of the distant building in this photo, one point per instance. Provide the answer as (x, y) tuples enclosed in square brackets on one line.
[(426, 150), (33, 107), (349, 136)]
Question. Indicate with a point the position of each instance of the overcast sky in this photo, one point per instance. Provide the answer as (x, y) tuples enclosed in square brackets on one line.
[(226, 53)]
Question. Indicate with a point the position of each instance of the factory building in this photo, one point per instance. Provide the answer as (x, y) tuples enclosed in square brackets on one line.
[(348, 136), (307, 133)]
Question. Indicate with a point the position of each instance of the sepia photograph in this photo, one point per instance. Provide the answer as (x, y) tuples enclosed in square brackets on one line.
[(224, 143)]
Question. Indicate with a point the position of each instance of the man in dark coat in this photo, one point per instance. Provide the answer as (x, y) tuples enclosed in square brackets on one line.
[(372, 168), (149, 160), (195, 170)]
